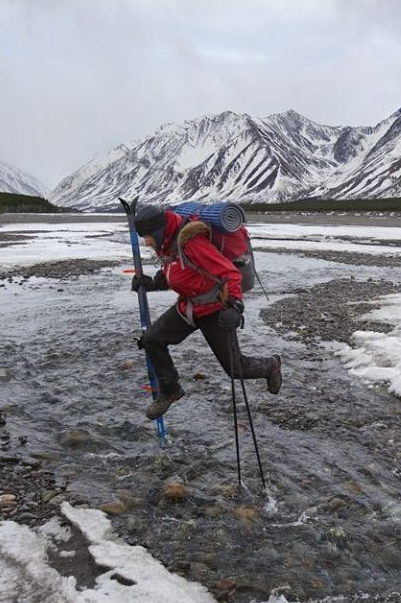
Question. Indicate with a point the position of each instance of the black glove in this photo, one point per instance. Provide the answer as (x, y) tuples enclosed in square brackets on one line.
[(144, 280), (160, 282), (230, 318)]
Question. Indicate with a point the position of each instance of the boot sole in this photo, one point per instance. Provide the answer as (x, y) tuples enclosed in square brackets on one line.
[(276, 390), (153, 417)]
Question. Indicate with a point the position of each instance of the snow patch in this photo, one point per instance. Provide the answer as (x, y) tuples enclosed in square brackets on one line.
[(110, 241), (26, 575), (376, 357), (355, 239), (192, 156)]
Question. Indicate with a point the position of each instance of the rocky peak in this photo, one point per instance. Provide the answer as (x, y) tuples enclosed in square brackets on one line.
[(236, 157), (396, 114)]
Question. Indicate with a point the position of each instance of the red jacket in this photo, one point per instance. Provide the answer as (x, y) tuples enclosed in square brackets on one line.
[(194, 240)]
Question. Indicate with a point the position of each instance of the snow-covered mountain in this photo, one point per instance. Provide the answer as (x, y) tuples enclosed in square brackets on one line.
[(13, 180), (239, 158)]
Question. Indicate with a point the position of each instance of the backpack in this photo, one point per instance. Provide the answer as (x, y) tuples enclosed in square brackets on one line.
[(235, 246), (229, 235)]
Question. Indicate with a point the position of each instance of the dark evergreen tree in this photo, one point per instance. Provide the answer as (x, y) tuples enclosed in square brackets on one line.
[(12, 203)]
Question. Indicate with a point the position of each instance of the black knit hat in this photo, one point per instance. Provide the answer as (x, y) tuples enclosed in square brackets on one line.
[(151, 220)]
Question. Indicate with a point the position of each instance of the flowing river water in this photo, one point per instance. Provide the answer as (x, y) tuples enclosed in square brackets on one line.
[(329, 522)]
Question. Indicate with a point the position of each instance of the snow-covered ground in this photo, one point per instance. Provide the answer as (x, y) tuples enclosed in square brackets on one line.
[(356, 239), (325, 232), (51, 242), (376, 357), (110, 240), (131, 573)]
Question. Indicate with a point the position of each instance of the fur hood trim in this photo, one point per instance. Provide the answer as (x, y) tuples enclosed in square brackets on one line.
[(190, 230)]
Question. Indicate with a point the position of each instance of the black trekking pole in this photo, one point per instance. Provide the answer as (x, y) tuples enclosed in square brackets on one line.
[(231, 359), (256, 273), (234, 350)]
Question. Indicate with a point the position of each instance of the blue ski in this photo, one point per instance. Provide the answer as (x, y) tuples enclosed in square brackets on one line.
[(130, 209)]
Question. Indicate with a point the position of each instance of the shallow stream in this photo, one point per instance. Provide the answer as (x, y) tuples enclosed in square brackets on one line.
[(330, 521)]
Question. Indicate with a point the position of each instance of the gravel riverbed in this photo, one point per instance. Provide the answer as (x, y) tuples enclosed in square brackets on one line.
[(329, 311), (63, 269)]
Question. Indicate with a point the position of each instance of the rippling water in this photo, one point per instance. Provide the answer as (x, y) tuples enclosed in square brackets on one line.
[(329, 523)]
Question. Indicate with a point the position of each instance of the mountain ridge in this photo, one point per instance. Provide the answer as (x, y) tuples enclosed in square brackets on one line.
[(237, 157), (14, 180)]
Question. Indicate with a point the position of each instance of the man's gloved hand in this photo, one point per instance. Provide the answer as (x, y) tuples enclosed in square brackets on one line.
[(160, 282), (144, 280), (230, 318)]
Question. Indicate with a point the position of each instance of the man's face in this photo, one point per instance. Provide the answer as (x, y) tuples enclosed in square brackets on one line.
[(150, 241)]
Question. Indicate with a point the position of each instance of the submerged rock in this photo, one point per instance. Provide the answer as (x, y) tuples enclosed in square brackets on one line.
[(7, 501), (79, 437), (247, 515), (174, 491), (128, 365), (47, 456), (199, 376), (5, 374), (113, 508)]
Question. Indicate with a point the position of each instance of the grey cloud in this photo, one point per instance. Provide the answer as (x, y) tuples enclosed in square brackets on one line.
[(81, 77)]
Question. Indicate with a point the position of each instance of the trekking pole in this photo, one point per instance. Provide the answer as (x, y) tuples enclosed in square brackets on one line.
[(234, 349), (261, 285), (130, 209), (256, 273), (231, 360)]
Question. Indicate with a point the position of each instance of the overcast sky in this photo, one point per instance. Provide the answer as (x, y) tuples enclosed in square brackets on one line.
[(78, 77)]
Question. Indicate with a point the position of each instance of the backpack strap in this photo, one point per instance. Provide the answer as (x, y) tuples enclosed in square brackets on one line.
[(217, 293), (184, 259)]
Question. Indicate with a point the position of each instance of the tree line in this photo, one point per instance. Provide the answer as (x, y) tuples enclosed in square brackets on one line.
[(13, 203), (327, 205), (25, 204)]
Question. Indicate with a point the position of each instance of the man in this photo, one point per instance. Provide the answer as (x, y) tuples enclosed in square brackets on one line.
[(210, 299)]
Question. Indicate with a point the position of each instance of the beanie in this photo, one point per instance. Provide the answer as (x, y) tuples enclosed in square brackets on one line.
[(151, 220)]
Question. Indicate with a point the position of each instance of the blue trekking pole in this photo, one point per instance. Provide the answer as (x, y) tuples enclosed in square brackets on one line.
[(130, 209)]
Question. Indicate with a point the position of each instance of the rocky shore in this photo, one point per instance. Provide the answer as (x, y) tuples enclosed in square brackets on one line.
[(58, 270), (329, 311), (29, 494), (343, 257)]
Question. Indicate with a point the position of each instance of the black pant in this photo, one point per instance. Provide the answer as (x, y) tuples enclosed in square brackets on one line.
[(170, 329)]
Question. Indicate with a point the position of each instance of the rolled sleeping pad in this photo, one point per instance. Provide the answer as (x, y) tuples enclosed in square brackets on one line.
[(225, 217)]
